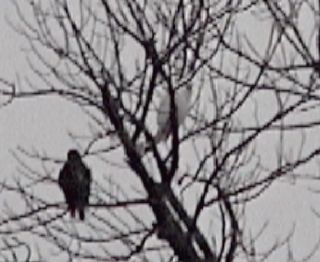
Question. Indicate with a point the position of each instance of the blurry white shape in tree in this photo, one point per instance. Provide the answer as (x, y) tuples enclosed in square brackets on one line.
[(182, 107)]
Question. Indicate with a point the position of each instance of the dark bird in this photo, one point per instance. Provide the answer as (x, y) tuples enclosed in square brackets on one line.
[(75, 181)]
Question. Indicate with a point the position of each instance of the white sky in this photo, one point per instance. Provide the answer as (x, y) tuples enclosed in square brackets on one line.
[(37, 123)]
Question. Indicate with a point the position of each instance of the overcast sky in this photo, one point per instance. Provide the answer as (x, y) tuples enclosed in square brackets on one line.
[(43, 124)]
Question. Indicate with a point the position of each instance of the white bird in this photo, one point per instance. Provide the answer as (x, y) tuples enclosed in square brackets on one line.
[(182, 103)]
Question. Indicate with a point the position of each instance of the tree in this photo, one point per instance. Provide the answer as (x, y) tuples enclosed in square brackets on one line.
[(189, 199)]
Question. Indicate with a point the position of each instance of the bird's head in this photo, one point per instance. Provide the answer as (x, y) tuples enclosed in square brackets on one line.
[(73, 155)]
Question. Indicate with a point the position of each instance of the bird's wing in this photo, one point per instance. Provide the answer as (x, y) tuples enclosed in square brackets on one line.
[(163, 118), (88, 179), (183, 104), (88, 175), (163, 111), (87, 184), (63, 177), (67, 184)]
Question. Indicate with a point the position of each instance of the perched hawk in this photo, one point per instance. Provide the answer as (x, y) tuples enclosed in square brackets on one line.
[(75, 180)]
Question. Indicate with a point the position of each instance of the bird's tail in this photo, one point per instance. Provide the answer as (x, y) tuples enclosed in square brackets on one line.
[(141, 148), (72, 210), (81, 213), (82, 203), (162, 134)]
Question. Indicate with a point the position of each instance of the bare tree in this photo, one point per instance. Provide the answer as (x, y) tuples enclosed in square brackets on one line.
[(114, 59)]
